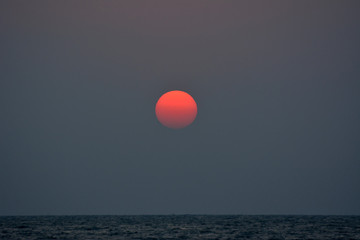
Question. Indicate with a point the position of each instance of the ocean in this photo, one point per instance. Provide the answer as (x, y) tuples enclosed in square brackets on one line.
[(265, 227)]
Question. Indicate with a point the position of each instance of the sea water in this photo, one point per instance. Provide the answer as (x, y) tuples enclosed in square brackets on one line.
[(180, 227)]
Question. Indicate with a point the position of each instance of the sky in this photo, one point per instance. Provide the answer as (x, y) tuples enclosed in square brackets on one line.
[(276, 83)]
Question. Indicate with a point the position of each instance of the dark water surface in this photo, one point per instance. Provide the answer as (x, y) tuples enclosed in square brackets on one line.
[(180, 227)]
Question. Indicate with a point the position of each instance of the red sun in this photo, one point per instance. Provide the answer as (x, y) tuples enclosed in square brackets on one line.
[(176, 109)]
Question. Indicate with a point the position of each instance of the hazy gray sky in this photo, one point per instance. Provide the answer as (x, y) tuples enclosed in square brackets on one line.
[(276, 82)]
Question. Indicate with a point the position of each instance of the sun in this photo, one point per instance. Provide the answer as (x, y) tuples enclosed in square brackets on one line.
[(176, 109)]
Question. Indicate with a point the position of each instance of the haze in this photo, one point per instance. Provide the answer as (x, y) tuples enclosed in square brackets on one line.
[(276, 83)]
